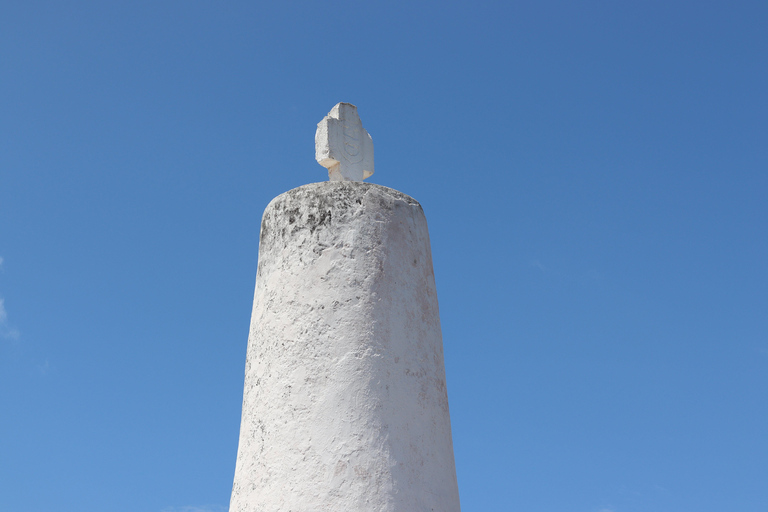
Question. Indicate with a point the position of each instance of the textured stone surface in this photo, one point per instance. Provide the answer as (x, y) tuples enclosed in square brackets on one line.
[(345, 405)]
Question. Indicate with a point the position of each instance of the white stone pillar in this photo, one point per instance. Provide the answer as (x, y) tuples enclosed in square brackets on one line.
[(345, 406)]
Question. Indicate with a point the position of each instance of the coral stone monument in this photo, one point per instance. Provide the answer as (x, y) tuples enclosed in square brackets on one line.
[(345, 405)]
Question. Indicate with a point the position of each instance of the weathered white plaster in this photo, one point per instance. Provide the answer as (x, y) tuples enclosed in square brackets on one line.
[(345, 405), (343, 146)]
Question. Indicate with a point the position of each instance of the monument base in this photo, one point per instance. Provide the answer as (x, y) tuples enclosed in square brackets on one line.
[(345, 405)]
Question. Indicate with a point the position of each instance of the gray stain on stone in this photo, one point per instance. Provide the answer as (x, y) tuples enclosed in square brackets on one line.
[(315, 205)]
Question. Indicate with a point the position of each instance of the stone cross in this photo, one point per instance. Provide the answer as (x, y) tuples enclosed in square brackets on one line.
[(343, 146)]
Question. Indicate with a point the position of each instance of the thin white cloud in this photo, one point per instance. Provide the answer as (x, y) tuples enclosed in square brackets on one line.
[(43, 368), (196, 508), (6, 331)]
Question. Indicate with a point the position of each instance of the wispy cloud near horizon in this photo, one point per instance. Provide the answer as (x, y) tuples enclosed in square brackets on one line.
[(196, 508), (6, 331)]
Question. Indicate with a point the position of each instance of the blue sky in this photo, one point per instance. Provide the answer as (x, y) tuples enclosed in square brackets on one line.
[(595, 179)]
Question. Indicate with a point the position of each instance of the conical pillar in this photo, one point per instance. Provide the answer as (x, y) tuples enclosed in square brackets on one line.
[(345, 405)]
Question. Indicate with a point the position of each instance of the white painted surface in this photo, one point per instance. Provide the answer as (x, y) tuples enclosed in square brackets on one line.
[(343, 146), (345, 405)]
